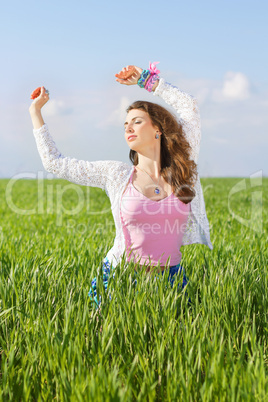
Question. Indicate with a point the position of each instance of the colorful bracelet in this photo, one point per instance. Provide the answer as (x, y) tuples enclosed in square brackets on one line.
[(152, 67), (144, 75), (151, 81)]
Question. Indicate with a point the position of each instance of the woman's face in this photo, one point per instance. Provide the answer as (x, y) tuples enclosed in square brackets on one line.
[(139, 130)]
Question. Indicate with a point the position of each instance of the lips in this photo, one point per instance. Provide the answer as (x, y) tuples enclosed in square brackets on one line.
[(131, 137)]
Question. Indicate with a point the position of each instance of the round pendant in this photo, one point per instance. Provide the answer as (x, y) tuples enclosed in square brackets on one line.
[(157, 191)]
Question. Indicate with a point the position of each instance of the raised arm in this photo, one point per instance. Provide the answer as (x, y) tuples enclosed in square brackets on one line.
[(185, 106), (36, 106), (100, 174), (188, 113)]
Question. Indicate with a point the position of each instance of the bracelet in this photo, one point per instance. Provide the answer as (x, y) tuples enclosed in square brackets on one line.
[(151, 81), (144, 75)]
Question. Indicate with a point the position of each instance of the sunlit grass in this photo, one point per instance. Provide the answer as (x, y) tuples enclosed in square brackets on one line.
[(147, 343)]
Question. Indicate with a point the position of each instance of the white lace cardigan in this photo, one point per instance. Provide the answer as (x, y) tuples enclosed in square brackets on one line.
[(113, 176)]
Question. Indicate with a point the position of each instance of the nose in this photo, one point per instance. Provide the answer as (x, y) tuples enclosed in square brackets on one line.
[(129, 128)]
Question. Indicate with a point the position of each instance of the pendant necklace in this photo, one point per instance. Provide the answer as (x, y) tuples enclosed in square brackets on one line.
[(157, 189)]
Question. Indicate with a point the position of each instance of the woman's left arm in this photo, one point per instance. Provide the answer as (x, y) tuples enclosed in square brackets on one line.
[(188, 113)]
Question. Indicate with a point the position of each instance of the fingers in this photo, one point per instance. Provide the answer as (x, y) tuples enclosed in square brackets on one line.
[(40, 97), (44, 93), (39, 93), (36, 93), (129, 75), (126, 72), (128, 81), (125, 82)]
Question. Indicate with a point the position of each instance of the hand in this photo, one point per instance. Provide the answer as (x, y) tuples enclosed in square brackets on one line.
[(41, 99), (123, 76)]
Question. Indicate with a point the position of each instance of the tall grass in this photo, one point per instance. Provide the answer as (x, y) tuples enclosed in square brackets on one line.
[(147, 343)]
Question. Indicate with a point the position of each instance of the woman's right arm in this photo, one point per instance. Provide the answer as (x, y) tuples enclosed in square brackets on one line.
[(95, 174), (35, 109)]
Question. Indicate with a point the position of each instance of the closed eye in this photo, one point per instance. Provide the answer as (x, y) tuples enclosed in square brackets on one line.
[(134, 120)]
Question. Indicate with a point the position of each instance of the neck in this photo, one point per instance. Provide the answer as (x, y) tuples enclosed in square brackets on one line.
[(150, 165)]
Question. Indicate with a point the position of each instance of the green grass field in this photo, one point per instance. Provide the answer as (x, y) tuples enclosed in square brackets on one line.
[(147, 344)]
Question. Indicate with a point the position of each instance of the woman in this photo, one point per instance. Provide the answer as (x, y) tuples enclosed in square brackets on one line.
[(157, 203)]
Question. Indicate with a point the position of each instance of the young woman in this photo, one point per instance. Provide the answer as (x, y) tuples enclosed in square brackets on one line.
[(157, 203)]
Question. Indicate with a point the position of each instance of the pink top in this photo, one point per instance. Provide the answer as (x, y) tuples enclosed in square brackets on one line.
[(153, 230)]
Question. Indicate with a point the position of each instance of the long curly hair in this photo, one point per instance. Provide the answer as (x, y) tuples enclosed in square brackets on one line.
[(177, 168)]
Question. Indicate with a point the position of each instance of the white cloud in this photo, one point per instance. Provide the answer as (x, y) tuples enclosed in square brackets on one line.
[(117, 116), (233, 86), (236, 86), (57, 108)]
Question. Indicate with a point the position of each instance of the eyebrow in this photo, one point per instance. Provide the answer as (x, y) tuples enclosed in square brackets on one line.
[(137, 117)]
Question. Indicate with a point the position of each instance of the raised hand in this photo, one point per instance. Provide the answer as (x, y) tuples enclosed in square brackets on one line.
[(36, 93), (129, 75), (40, 97)]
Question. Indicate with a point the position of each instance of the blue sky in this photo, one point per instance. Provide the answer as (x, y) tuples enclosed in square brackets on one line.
[(217, 51)]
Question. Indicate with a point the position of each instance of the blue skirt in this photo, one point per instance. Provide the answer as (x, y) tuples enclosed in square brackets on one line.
[(107, 270)]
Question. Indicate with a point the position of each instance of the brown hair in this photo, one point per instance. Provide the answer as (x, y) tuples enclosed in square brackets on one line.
[(177, 168)]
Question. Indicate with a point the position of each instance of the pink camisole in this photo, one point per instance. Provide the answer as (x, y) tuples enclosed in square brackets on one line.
[(153, 230)]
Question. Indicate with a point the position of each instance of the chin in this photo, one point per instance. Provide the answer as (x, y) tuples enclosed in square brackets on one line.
[(132, 147)]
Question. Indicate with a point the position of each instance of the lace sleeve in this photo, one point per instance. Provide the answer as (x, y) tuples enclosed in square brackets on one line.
[(95, 174), (188, 113)]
